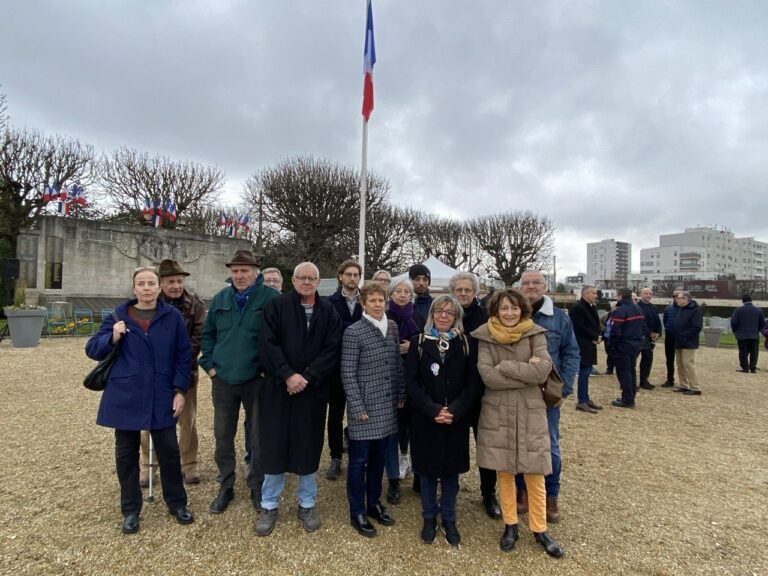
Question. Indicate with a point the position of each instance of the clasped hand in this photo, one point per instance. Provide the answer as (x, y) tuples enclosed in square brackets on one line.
[(295, 384), (444, 417)]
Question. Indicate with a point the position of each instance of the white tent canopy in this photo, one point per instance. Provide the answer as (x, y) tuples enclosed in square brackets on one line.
[(440, 273)]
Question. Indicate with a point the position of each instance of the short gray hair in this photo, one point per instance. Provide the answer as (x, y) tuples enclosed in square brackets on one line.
[(587, 287), (464, 276), (439, 302), (685, 294), (402, 281), (273, 271), (389, 276), (303, 264)]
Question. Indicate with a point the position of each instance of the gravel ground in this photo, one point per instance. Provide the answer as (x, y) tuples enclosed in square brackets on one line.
[(677, 486)]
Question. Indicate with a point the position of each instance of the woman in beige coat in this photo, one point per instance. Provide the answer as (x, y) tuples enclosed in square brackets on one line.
[(513, 436)]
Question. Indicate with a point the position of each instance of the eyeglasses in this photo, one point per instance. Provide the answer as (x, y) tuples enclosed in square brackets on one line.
[(531, 283), (464, 291), (448, 313), (306, 278)]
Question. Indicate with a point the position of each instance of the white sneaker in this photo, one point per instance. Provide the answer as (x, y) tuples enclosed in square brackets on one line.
[(405, 465)]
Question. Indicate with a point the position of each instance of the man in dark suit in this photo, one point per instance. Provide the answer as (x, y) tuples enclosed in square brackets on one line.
[(746, 322), (586, 327)]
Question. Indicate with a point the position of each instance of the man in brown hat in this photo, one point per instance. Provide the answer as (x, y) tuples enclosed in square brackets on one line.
[(230, 356), (172, 279)]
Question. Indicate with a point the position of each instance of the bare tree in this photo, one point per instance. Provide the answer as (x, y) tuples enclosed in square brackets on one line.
[(515, 241), (315, 204), (30, 161), (3, 112), (442, 238), (387, 231), (748, 286), (666, 288), (130, 177)]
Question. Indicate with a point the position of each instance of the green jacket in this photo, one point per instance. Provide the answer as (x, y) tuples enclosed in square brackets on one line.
[(230, 341)]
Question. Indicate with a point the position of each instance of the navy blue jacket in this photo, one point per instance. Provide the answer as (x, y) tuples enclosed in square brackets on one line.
[(340, 304), (148, 369), (423, 303), (652, 321), (670, 318), (687, 326), (627, 327), (747, 322)]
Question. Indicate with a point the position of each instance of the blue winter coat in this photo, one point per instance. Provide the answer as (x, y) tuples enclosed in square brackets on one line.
[(687, 326), (747, 322), (561, 342), (148, 369)]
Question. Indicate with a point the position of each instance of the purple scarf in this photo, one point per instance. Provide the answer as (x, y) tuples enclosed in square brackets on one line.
[(403, 317)]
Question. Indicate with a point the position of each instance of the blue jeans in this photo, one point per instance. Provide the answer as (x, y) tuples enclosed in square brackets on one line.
[(392, 457), (551, 481), (582, 391), (449, 490), (364, 472), (273, 487)]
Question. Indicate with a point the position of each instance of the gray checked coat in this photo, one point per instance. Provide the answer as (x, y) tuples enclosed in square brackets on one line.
[(372, 374)]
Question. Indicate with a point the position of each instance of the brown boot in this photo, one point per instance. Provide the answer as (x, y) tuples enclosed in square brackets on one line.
[(553, 514), (522, 502)]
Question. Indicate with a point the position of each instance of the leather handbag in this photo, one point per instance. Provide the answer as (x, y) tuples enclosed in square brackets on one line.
[(97, 378), (552, 389)]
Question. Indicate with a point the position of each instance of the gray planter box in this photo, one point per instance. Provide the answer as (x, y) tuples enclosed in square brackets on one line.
[(712, 337), (25, 326)]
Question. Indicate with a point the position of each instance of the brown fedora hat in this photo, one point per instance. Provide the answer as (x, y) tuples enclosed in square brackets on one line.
[(170, 267), (243, 258)]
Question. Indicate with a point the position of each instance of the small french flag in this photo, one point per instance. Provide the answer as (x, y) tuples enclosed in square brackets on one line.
[(369, 59)]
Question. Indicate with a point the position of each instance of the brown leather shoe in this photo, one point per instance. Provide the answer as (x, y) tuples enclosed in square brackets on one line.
[(522, 501), (553, 514)]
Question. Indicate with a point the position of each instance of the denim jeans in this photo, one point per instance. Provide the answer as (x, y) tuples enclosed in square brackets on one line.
[(392, 457), (582, 391), (273, 487), (364, 472), (449, 489), (551, 481)]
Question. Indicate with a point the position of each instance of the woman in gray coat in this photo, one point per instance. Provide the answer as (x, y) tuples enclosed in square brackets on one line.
[(513, 436), (372, 374)]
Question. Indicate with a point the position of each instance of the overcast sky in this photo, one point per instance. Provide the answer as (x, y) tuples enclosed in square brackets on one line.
[(617, 119)]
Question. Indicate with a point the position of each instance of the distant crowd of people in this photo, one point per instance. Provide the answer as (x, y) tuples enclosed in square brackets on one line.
[(412, 373)]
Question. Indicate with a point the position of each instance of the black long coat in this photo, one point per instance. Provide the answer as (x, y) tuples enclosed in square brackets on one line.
[(586, 327), (439, 450), (292, 427)]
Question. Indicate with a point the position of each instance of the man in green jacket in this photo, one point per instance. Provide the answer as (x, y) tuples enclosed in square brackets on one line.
[(230, 356)]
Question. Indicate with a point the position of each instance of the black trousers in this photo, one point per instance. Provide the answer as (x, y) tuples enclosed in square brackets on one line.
[(748, 354), (227, 399), (646, 362), (127, 445), (337, 401), (624, 364), (487, 477), (669, 355)]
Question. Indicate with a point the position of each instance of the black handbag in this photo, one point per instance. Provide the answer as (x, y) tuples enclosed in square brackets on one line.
[(97, 378)]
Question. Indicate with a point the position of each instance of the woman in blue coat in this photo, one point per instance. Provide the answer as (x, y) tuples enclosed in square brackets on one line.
[(145, 392)]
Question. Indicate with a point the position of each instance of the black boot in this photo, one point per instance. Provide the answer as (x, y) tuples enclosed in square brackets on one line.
[(491, 506), (549, 544), (429, 531), (508, 539), (416, 483), (393, 492)]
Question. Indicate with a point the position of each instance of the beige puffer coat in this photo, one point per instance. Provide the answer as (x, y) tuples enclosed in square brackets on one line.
[(512, 434)]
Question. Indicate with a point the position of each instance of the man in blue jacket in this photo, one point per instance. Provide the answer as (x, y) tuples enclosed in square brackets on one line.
[(627, 332), (670, 317), (652, 331), (686, 331), (564, 350), (747, 322)]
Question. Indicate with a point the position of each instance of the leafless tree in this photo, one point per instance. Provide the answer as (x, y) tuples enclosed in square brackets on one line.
[(315, 205), (28, 162), (666, 288), (515, 241), (748, 286), (130, 177), (441, 237), (387, 231)]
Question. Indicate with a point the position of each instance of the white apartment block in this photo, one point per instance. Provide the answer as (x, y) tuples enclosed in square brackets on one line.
[(703, 253), (608, 263)]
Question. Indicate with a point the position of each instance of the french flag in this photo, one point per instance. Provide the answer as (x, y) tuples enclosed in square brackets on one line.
[(157, 214), (369, 58), (244, 219), (46, 194), (170, 211)]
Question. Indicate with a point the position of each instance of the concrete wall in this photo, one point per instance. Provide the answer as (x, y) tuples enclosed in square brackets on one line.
[(97, 259)]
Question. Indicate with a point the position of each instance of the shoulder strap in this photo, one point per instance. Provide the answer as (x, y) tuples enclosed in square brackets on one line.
[(465, 345), (421, 343)]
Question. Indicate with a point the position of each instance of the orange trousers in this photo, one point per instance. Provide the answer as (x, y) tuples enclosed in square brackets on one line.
[(537, 500)]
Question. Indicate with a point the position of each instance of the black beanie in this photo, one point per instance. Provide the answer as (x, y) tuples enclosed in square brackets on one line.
[(419, 270), (746, 298)]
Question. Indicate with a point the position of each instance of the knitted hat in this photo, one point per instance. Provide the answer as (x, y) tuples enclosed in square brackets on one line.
[(419, 270), (746, 298)]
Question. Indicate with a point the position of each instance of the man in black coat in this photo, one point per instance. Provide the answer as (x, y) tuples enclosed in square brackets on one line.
[(686, 330), (653, 330), (746, 322), (346, 301), (586, 327), (627, 329), (299, 348)]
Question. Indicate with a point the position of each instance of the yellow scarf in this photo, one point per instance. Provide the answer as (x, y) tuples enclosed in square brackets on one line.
[(506, 335)]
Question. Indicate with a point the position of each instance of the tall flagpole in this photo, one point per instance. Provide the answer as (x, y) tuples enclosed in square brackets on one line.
[(363, 195)]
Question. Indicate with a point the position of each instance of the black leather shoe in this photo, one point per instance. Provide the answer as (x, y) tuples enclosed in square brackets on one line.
[(491, 506), (256, 499), (221, 501), (692, 392), (508, 539), (131, 524), (647, 386), (363, 526), (619, 403), (429, 531), (183, 516), (549, 544), (668, 384), (380, 514), (393, 491)]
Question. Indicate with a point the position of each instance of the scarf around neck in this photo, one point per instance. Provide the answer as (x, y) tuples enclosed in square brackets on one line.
[(382, 324), (505, 334), (242, 297), (403, 317)]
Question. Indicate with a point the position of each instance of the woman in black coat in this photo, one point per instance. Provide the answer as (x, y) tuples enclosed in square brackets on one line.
[(443, 383)]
